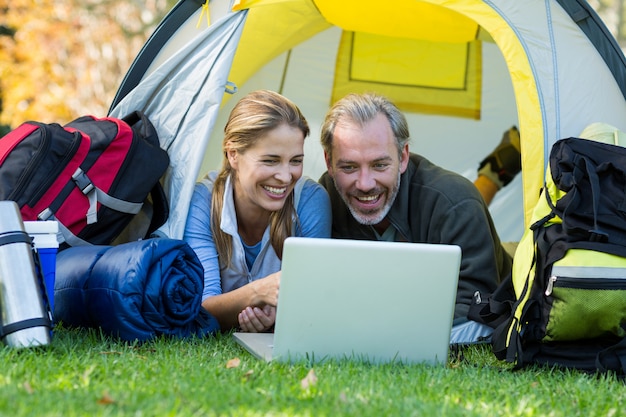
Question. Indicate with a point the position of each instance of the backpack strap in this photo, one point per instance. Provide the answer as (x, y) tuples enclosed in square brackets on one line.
[(69, 237), (496, 308), (159, 206), (595, 234), (612, 356), (548, 216), (96, 195)]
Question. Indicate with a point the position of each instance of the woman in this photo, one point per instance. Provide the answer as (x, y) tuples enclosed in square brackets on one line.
[(240, 216)]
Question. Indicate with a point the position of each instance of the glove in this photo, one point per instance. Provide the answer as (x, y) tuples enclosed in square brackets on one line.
[(505, 161)]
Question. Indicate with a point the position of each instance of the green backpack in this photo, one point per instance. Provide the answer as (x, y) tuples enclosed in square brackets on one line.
[(565, 302)]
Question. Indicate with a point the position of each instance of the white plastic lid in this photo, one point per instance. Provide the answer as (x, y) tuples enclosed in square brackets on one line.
[(44, 233), (48, 226)]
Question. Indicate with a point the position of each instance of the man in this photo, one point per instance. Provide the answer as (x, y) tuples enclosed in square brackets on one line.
[(380, 191)]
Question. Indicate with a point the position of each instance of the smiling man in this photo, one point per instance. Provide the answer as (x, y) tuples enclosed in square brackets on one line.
[(381, 191)]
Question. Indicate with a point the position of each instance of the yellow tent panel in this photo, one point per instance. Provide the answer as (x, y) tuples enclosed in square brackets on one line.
[(399, 19), (419, 76)]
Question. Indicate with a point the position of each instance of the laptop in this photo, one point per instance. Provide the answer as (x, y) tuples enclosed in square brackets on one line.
[(370, 301)]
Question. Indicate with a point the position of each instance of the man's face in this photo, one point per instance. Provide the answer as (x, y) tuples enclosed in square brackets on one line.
[(366, 168)]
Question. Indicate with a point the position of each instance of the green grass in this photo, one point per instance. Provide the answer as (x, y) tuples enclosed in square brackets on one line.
[(83, 373)]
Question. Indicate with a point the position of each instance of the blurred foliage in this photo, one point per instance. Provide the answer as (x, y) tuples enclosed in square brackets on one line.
[(60, 59), (613, 13)]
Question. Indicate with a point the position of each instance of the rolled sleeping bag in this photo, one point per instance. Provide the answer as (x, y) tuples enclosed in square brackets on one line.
[(134, 291)]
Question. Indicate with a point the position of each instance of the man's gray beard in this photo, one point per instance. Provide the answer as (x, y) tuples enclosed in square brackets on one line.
[(370, 221)]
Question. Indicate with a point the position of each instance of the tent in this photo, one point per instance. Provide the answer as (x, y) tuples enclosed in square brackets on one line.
[(463, 71)]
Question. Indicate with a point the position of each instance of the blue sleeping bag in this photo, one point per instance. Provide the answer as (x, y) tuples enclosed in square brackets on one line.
[(135, 291)]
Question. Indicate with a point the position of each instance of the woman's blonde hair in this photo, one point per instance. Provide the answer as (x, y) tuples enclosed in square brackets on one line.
[(253, 116)]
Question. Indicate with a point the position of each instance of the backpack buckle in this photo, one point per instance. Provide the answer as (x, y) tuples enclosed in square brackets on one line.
[(599, 236), (82, 181)]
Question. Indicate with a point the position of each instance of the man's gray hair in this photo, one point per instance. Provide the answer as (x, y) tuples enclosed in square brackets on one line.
[(360, 109)]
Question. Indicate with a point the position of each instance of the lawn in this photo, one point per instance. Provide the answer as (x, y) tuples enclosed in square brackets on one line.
[(83, 373)]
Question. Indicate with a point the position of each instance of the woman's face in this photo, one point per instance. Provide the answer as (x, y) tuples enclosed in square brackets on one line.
[(267, 172)]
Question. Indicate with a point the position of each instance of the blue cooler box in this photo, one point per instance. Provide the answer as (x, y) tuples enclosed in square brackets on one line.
[(46, 243)]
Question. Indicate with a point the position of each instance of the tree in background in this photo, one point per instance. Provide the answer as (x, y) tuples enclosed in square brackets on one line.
[(612, 13), (60, 59)]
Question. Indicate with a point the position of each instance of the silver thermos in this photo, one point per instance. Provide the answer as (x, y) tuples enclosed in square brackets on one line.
[(24, 319)]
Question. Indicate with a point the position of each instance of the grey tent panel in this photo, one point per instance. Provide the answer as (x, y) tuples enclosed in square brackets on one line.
[(591, 24), (170, 24)]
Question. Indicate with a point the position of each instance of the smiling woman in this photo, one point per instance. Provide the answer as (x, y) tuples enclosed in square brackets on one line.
[(265, 176), (240, 216)]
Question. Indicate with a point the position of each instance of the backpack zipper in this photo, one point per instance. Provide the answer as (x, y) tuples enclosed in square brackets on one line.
[(52, 177), (42, 149), (585, 283)]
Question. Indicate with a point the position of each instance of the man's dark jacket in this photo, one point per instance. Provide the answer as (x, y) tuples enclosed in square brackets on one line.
[(434, 205)]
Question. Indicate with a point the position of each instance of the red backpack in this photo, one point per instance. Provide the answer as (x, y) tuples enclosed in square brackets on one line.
[(92, 175)]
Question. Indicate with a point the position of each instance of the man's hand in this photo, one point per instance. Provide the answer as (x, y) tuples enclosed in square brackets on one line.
[(255, 319)]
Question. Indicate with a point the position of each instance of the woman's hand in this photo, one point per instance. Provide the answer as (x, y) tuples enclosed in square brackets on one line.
[(255, 319), (262, 314), (256, 295), (266, 290)]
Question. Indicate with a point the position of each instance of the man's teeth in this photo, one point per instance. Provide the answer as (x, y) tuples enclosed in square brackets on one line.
[(368, 198), (275, 190)]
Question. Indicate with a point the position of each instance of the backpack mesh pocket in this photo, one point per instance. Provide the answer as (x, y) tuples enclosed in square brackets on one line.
[(582, 312), (584, 300)]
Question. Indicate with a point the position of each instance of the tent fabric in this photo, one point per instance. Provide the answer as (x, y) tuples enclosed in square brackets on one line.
[(413, 73), (292, 22), (549, 66), (582, 13), (397, 19), (162, 34), (182, 98)]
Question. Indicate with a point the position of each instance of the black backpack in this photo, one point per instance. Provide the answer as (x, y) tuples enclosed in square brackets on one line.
[(92, 175), (565, 302)]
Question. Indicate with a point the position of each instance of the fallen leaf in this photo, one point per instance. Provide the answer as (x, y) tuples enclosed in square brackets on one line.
[(309, 380), (248, 374), (233, 363), (28, 388), (106, 399)]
